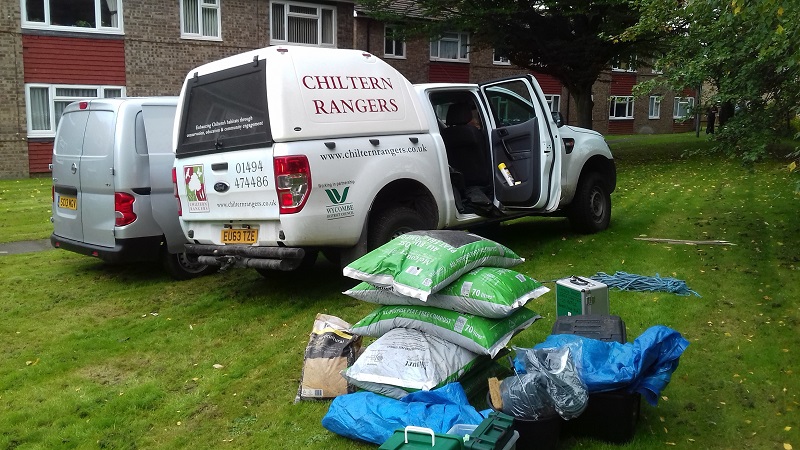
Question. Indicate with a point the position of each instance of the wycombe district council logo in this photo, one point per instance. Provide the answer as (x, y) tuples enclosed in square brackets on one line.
[(338, 209), (195, 181)]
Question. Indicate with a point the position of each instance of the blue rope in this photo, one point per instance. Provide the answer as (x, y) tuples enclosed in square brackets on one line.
[(632, 282)]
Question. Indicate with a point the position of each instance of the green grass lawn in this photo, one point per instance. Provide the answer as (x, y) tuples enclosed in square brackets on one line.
[(95, 356)]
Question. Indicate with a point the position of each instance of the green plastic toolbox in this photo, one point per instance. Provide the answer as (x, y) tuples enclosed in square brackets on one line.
[(492, 434), (418, 438)]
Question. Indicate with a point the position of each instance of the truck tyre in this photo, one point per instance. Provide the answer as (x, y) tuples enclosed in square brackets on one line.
[(590, 210), (390, 223), (181, 266)]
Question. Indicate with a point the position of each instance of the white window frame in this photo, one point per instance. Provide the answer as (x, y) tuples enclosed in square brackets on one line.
[(52, 99), (208, 5), (617, 65), (676, 108), (46, 23), (395, 43), (318, 17), (616, 99), (499, 59), (461, 39), (554, 102), (654, 108)]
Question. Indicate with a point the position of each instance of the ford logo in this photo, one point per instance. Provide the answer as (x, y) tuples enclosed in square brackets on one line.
[(221, 186)]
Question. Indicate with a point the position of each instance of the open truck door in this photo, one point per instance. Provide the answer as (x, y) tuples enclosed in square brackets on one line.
[(525, 145)]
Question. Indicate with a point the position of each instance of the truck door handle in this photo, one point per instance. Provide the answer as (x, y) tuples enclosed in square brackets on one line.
[(502, 132), (73, 168)]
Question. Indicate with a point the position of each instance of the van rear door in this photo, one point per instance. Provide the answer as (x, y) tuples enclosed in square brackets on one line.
[(67, 220), (159, 118), (525, 141), (96, 171)]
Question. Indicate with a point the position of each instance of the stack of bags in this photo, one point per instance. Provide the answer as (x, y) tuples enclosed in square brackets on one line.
[(447, 298)]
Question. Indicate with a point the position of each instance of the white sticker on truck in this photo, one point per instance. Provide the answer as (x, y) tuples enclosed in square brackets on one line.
[(194, 180)]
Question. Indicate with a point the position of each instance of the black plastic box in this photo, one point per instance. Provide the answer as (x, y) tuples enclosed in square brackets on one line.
[(609, 416), (603, 328)]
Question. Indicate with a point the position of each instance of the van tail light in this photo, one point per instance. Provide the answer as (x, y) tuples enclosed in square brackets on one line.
[(123, 209), (293, 183), (53, 194), (175, 191)]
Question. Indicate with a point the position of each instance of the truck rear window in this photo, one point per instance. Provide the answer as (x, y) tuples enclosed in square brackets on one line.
[(225, 111)]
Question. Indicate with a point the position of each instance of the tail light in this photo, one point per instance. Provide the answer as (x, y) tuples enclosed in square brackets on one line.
[(293, 182), (53, 194), (123, 209), (175, 191)]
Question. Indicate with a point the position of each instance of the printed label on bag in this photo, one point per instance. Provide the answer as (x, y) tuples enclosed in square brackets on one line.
[(413, 270), (466, 288), (460, 322)]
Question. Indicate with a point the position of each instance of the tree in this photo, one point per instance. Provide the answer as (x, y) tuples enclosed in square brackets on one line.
[(747, 51), (572, 40)]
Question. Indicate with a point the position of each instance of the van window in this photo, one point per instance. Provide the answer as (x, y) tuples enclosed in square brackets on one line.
[(225, 111), (140, 137)]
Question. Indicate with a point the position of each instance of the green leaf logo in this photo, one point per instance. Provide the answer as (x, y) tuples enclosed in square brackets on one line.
[(335, 197)]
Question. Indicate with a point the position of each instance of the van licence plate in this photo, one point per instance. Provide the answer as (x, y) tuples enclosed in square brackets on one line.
[(239, 236), (67, 202)]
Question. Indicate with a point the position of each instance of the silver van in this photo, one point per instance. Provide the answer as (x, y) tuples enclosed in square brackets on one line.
[(113, 193)]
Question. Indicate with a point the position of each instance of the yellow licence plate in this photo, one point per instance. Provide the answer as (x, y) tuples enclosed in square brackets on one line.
[(239, 236), (68, 202)]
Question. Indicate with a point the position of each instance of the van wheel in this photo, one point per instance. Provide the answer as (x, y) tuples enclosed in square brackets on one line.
[(390, 223), (308, 262), (590, 210), (182, 266)]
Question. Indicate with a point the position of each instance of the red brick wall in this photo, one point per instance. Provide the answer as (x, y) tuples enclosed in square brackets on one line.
[(548, 83), (620, 126), (40, 155), (439, 72), (65, 60), (622, 83)]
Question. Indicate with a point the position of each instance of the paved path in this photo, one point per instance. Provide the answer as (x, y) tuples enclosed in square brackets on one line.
[(11, 248)]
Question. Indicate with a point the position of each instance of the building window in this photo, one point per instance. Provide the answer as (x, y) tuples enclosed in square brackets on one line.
[(303, 23), (554, 102), (393, 47), (45, 103), (73, 15), (654, 112), (624, 65), (621, 107), (451, 47), (200, 19), (499, 59), (682, 107)]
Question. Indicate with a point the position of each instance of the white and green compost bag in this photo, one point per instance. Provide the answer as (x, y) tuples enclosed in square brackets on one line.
[(476, 334), (405, 360), (492, 292), (420, 263)]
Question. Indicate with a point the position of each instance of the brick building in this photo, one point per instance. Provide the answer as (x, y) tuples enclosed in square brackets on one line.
[(53, 52)]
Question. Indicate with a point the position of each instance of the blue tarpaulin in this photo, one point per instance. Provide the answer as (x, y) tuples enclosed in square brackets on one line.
[(644, 365), (370, 417)]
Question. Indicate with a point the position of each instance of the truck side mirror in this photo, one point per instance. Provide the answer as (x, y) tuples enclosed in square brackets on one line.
[(558, 118)]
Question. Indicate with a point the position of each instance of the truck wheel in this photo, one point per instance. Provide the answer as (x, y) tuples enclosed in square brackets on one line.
[(181, 266), (390, 223), (590, 210), (309, 259)]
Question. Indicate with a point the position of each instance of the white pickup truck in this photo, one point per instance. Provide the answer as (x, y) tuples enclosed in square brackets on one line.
[(286, 151)]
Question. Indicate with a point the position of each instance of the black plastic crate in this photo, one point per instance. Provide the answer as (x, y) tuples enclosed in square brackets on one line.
[(600, 327), (609, 416)]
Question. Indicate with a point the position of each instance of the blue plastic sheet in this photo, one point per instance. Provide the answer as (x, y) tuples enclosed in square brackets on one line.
[(644, 365), (370, 417)]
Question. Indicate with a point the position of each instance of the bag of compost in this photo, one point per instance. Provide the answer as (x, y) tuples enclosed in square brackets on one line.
[(331, 349), (420, 263), (491, 292), (476, 334), (405, 360)]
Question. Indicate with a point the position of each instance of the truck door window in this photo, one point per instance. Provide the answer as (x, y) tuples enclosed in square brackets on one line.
[(225, 111), (511, 103)]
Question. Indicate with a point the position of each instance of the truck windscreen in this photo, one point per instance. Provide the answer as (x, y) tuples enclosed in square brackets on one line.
[(225, 111)]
